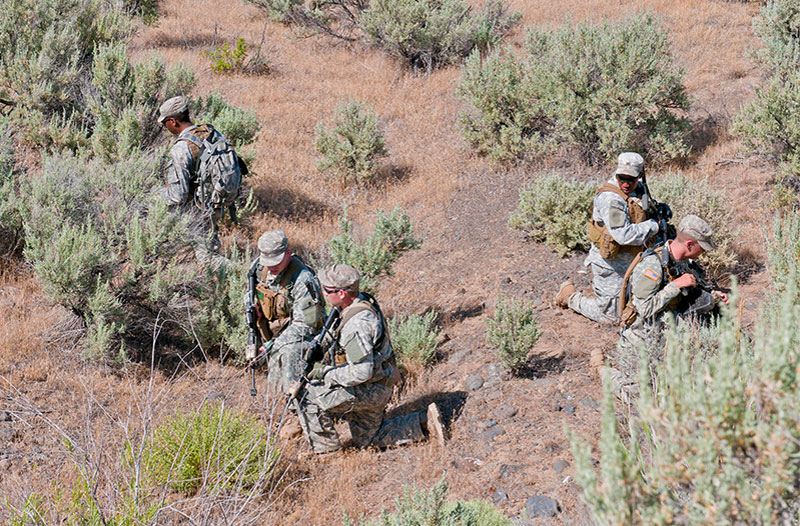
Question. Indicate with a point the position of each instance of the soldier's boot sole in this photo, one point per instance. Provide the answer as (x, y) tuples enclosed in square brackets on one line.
[(435, 425)]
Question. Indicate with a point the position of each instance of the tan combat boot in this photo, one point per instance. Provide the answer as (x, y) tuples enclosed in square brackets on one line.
[(566, 290), (435, 426)]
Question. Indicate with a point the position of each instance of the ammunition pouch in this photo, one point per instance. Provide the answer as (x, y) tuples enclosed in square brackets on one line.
[(600, 235), (274, 305)]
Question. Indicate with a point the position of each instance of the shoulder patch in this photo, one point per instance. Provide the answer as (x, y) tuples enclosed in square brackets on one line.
[(651, 274)]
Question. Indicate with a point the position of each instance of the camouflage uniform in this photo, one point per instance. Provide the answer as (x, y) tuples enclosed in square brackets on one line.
[(611, 210), (290, 334), (357, 389), (654, 296)]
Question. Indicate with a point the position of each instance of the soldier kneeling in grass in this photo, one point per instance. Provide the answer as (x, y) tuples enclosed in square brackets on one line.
[(357, 381), (654, 287)]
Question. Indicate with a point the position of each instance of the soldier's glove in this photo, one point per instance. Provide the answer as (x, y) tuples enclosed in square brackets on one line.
[(318, 372)]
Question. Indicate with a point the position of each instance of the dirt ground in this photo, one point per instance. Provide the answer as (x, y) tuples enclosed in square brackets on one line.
[(506, 437)]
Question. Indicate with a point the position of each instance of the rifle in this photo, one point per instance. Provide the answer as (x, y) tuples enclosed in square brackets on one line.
[(253, 339), (698, 300), (662, 214), (314, 353)]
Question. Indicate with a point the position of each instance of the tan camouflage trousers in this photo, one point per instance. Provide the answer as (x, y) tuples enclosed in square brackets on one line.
[(362, 407), (602, 308)]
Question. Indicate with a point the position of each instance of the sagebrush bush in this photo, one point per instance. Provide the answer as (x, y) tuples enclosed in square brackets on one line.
[(783, 250), (717, 442), (555, 210), (771, 122), (46, 61), (687, 195), (597, 89), (392, 235), (430, 508), (512, 331), (429, 33), (11, 234), (414, 340), (214, 448), (422, 34), (352, 147)]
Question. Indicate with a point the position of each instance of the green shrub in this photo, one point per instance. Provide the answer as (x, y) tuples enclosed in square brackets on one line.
[(11, 234), (718, 442), (352, 147), (429, 33), (423, 34), (126, 99), (555, 210), (421, 508), (513, 332), (392, 235), (238, 125), (214, 449), (783, 251), (414, 340), (45, 66), (597, 89), (771, 122), (227, 58), (687, 195)]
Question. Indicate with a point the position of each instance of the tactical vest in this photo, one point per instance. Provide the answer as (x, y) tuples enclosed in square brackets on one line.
[(627, 312), (386, 370), (276, 307), (202, 132), (600, 235)]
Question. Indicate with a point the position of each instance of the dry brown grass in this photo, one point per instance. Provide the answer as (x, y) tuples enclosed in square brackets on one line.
[(468, 259)]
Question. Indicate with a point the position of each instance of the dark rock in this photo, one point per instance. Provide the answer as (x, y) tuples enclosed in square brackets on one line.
[(505, 411), (507, 280), (560, 466), (499, 497), (474, 382), (539, 507), (568, 409), (5, 416)]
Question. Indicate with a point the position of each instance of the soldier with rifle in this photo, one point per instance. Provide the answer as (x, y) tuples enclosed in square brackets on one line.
[(284, 309), (355, 379), (662, 281), (623, 220)]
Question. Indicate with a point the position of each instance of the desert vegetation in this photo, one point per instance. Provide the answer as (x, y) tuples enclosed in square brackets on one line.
[(450, 150)]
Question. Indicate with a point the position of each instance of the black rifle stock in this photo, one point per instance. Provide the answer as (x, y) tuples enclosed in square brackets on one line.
[(314, 353)]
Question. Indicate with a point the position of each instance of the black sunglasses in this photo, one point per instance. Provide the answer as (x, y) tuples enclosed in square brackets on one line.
[(627, 179), (329, 290)]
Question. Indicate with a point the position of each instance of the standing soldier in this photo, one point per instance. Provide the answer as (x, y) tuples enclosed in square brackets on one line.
[(618, 231), (289, 309), (653, 290), (358, 384), (203, 169)]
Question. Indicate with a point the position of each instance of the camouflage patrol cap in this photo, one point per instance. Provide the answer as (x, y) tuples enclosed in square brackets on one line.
[(630, 163), (340, 276), (172, 108), (273, 245), (698, 230)]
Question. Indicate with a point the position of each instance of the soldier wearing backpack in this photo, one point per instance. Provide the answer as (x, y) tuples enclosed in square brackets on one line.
[(355, 382), (203, 168)]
